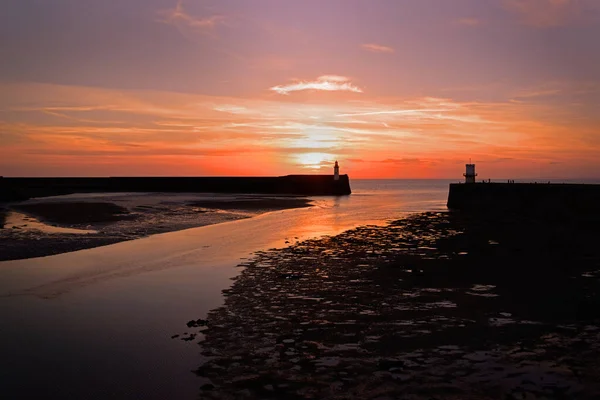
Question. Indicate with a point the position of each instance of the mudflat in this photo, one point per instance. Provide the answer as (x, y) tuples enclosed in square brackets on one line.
[(76, 213), (442, 305), (98, 223)]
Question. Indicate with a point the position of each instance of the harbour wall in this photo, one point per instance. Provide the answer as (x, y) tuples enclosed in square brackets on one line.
[(531, 198), (14, 189)]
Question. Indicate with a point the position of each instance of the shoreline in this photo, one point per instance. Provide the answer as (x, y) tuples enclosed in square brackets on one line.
[(135, 295), (132, 297), (437, 303), (59, 226)]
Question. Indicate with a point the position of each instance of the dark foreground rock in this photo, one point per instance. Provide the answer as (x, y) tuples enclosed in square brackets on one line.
[(2, 217), (439, 305)]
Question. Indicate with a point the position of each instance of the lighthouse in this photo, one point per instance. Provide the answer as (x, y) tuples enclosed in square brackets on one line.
[(470, 174), (336, 172)]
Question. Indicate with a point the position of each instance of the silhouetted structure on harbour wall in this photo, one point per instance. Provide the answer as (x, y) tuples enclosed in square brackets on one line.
[(529, 198), (532, 198), (14, 189)]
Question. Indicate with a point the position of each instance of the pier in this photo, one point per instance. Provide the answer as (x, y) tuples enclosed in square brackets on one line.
[(533, 198), (14, 189)]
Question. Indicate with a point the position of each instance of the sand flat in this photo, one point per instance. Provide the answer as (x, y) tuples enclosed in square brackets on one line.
[(76, 222)]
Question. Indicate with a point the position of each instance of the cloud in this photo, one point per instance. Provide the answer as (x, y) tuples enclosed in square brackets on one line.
[(377, 48), (403, 161), (169, 133), (537, 93), (179, 15), (573, 89), (469, 22), (333, 78), (544, 13), (232, 109), (392, 112), (328, 83)]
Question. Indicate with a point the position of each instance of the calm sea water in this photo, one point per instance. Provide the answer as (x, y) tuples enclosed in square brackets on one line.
[(97, 323), (382, 200)]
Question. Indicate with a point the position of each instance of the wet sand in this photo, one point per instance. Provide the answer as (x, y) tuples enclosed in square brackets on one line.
[(254, 203), (76, 212), (99, 322), (91, 223), (439, 305)]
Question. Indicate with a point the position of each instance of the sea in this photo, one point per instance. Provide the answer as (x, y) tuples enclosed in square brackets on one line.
[(98, 323)]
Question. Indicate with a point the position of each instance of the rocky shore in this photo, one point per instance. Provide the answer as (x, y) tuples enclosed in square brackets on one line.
[(439, 305)]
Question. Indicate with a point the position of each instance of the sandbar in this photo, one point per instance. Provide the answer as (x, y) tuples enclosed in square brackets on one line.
[(53, 226)]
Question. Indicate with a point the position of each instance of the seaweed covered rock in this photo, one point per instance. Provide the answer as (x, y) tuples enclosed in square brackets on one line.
[(439, 305)]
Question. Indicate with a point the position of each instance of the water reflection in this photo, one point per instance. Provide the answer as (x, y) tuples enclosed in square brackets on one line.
[(117, 306)]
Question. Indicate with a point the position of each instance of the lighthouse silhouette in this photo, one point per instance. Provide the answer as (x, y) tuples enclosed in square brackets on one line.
[(336, 171), (470, 174)]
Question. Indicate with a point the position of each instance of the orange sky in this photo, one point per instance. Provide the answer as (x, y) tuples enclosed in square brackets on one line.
[(391, 89)]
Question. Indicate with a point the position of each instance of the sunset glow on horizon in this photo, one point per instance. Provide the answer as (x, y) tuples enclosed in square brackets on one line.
[(390, 89)]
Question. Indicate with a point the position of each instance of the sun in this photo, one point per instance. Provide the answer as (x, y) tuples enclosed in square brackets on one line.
[(314, 160)]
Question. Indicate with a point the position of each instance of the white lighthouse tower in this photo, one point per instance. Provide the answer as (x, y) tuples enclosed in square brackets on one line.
[(470, 174), (336, 172)]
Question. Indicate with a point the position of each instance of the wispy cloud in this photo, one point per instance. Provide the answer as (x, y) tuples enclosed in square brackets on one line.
[(179, 15), (377, 48), (392, 112), (405, 161), (537, 93), (544, 13), (573, 89), (168, 133), (328, 83), (469, 22)]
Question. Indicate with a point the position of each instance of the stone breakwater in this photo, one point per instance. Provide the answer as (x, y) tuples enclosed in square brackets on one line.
[(16, 189), (538, 198), (437, 305)]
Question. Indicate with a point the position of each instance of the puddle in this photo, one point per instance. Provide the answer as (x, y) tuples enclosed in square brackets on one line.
[(482, 291)]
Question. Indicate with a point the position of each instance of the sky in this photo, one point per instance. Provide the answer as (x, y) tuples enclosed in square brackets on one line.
[(389, 88)]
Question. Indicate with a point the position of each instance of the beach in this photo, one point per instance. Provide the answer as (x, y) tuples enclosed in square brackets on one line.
[(335, 300), (75, 222), (440, 305), (99, 321)]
